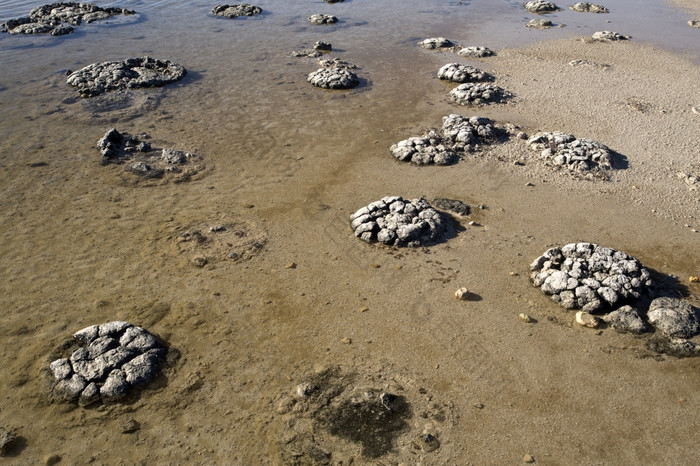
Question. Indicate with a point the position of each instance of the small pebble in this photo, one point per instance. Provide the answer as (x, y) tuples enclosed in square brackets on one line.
[(474, 224), (462, 294), (429, 443), (291, 265), (199, 261), (364, 309), (130, 426), (50, 460), (587, 320), (347, 341), (529, 184), (525, 318), (693, 279), (374, 265), (528, 459), (479, 405)]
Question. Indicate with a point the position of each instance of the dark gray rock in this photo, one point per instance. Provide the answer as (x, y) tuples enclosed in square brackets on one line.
[(436, 43), (585, 7), (306, 53), (459, 73), (475, 52), (626, 320), (333, 78), (398, 222), (674, 317), (323, 46), (541, 6), (452, 205), (590, 277), (126, 74), (59, 18), (234, 11), (478, 94), (539, 23), (117, 357), (566, 151), (322, 19), (8, 438)]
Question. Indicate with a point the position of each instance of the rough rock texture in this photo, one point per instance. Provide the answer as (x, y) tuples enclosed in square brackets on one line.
[(435, 43), (626, 320), (333, 78), (585, 7), (539, 24), (142, 160), (116, 358), (306, 53), (323, 46), (477, 94), (452, 205), (126, 74), (608, 36), (322, 19), (335, 63), (424, 150), (540, 6), (7, 440), (234, 11), (476, 52), (565, 150), (459, 73), (694, 23), (589, 277), (674, 317), (59, 18), (398, 222), (466, 133)]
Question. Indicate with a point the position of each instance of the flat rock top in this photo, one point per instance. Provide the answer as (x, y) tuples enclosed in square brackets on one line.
[(236, 10), (55, 18), (131, 73), (435, 43), (476, 51)]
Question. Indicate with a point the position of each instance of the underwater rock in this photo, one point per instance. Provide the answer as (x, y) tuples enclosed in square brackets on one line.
[(333, 78)]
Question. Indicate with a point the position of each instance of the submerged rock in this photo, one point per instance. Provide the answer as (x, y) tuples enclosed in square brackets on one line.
[(477, 94), (539, 24), (117, 357), (476, 52), (585, 7), (567, 151), (131, 73), (674, 317), (541, 6), (608, 36), (322, 19), (435, 43), (459, 73), (59, 18), (590, 277), (398, 222), (234, 11)]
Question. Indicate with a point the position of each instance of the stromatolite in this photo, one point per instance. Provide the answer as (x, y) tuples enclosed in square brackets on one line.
[(590, 277), (115, 358), (436, 43), (59, 18), (398, 222), (476, 52), (460, 73), (131, 73), (322, 19), (585, 7), (609, 36), (541, 6), (234, 11), (333, 78), (477, 94), (565, 150)]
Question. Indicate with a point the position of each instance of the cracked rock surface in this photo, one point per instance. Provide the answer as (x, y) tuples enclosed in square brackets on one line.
[(585, 7), (565, 150), (590, 277), (115, 358), (398, 222), (60, 18), (459, 73), (322, 19), (541, 6), (131, 73), (234, 11), (609, 36), (477, 94), (436, 43), (333, 78), (476, 52)]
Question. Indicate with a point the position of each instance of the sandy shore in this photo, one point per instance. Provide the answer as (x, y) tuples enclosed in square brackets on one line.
[(81, 244)]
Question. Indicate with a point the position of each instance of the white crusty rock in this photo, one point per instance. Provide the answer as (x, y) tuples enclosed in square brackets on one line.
[(590, 277), (475, 52), (398, 222), (234, 11), (565, 150), (541, 6), (608, 36), (459, 73), (539, 23), (333, 78), (477, 94), (585, 7), (674, 317), (626, 320), (116, 358), (322, 19), (435, 43), (424, 150), (465, 133), (131, 73), (59, 18)]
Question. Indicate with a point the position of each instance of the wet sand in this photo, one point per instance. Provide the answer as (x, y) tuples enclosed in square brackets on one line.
[(83, 244)]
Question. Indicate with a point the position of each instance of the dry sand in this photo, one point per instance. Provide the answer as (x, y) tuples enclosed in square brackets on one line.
[(81, 245)]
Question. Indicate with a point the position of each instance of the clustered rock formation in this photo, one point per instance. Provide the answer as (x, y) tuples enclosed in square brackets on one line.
[(234, 11), (60, 18), (565, 150)]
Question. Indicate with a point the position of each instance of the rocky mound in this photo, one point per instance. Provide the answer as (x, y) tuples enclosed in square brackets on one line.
[(539, 24), (477, 94), (436, 43), (115, 358), (694, 23), (140, 159), (59, 18), (565, 150), (541, 6), (590, 277), (608, 36), (234, 11), (466, 133), (398, 222), (335, 74), (476, 52), (585, 7), (322, 19), (459, 73), (131, 73), (424, 150)]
